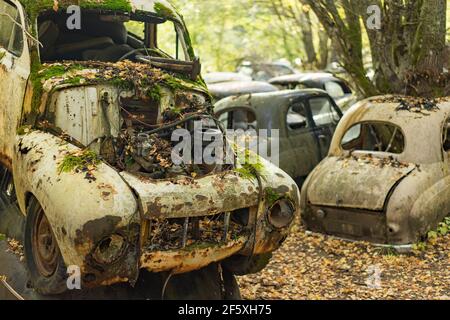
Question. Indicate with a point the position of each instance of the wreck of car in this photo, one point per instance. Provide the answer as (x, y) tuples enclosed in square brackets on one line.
[(223, 90), (305, 120), (85, 124), (219, 77), (386, 177), (336, 87)]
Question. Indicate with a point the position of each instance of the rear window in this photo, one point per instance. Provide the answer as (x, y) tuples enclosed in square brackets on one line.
[(374, 136)]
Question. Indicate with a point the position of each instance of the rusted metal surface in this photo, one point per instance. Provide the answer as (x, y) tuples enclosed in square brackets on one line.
[(383, 197), (189, 259), (97, 204), (14, 72), (194, 198), (353, 183)]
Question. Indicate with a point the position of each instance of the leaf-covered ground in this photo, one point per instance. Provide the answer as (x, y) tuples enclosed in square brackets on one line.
[(312, 266)]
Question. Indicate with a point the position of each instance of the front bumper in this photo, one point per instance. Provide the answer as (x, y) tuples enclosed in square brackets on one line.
[(190, 258)]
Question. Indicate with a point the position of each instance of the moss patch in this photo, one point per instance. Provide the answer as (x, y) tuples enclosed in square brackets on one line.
[(23, 130), (162, 10), (272, 196), (33, 7), (79, 161)]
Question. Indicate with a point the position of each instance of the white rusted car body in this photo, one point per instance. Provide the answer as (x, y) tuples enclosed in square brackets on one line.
[(383, 197), (83, 212)]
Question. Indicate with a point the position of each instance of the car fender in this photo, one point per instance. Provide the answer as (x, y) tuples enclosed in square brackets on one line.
[(81, 211), (418, 204)]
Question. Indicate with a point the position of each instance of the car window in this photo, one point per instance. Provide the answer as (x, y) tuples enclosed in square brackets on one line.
[(11, 34), (299, 86), (323, 111), (296, 117), (374, 136), (239, 119), (334, 89)]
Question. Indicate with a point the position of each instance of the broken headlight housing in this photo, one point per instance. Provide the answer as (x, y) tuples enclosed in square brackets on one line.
[(110, 249), (281, 214)]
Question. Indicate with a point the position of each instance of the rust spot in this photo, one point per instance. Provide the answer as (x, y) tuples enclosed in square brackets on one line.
[(283, 189), (96, 230), (200, 197)]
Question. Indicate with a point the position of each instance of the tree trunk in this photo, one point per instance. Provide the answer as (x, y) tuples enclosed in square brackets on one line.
[(409, 52), (308, 39)]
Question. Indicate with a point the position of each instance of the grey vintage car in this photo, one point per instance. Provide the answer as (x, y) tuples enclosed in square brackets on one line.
[(306, 120), (386, 177), (235, 88), (336, 87)]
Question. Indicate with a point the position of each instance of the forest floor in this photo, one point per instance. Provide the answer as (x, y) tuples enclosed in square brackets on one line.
[(315, 267)]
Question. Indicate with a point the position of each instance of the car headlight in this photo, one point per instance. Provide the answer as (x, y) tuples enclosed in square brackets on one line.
[(110, 249), (281, 214)]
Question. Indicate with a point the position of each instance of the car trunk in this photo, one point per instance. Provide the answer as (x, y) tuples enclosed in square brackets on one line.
[(348, 198), (357, 183)]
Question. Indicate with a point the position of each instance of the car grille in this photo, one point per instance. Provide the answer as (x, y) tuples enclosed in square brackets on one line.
[(178, 233)]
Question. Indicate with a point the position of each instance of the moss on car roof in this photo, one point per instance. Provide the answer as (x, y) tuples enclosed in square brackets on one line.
[(35, 6), (162, 7)]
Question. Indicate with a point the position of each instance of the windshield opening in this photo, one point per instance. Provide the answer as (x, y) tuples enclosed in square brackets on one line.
[(108, 38), (375, 137)]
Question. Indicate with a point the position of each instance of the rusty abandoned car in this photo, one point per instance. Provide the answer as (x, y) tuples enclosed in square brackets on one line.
[(386, 177), (306, 120), (223, 90), (85, 152), (336, 87)]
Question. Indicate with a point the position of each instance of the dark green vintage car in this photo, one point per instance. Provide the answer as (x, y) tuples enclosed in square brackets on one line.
[(306, 120)]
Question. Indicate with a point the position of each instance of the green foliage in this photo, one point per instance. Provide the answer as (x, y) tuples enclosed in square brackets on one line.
[(224, 33), (22, 130), (272, 196), (248, 167), (33, 7), (164, 11), (2, 237), (420, 246), (155, 93), (442, 230), (79, 161)]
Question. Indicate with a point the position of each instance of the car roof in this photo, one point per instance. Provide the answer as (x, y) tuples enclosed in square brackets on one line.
[(267, 99), (422, 128), (300, 77), (232, 88), (161, 7), (218, 77)]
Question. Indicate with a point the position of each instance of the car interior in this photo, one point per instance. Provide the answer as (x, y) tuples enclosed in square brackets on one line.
[(239, 119), (374, 136), (98, 39)]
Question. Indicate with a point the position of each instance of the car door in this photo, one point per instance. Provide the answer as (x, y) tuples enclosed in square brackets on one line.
[(302, 153), (325, 117), (14, 72)]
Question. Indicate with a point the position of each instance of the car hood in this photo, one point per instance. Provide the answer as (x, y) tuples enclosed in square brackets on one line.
[(359, 183)]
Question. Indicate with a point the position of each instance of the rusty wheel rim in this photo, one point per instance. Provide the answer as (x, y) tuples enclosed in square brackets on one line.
[(45, 248)]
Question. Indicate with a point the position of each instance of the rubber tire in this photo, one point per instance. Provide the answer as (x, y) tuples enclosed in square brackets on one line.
[(242, 265), (231, 287), (55, 284)]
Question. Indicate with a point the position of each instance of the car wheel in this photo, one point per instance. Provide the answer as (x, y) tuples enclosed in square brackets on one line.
[(46, 268), (242, 265), (230, 286)]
